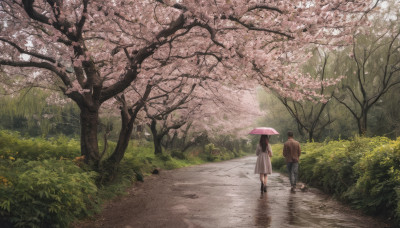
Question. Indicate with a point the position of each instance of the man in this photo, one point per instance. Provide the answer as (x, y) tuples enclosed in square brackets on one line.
[(291, 152)]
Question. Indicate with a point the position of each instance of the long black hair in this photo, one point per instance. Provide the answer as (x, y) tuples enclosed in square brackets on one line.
[(263, 142)]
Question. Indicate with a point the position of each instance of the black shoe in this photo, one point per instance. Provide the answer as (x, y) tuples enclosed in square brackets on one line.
[(265, 188), (262, 186)]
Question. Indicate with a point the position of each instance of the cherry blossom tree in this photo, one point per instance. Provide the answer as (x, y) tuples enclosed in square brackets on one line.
[(93, 51), (171, 112), (214, 114), (312, 117)]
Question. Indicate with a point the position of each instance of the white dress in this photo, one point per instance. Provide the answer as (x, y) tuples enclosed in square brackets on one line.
[(263, 164)]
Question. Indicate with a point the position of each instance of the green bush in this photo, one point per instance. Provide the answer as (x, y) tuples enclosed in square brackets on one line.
[(277, 160), (377, 188), (17, 147), (327, 165), (48, 193), (364, 172)]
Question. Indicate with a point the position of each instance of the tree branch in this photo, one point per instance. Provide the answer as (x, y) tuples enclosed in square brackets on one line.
[(23, 51), (43, 65), (251, 27)]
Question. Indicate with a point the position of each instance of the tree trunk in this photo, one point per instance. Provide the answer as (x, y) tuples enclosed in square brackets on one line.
[(362, 125), (157, 146), (128, 117), (156, 138), (311, 135), (123, 142), (172, 141), (89, 141)]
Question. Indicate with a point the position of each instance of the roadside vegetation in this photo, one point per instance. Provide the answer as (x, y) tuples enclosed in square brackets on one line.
[(363, 172), (45, 183)]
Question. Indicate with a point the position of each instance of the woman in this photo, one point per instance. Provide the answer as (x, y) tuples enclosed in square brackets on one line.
[(263, 164)]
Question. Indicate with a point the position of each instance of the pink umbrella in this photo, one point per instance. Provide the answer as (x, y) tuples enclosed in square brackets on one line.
[(264, 131)]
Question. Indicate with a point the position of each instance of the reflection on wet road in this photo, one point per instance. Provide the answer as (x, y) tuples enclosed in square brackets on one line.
[(262, 215), (227, 194)]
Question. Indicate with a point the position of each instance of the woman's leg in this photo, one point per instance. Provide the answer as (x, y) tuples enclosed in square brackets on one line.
[(262, 178), (262, 181), (265, 182)]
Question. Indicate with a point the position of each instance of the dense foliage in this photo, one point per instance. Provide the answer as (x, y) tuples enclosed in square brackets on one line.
[(45, 183), (364, 172), (47, 193)]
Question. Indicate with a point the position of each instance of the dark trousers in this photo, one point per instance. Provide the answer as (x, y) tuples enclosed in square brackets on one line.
[(293, 169)]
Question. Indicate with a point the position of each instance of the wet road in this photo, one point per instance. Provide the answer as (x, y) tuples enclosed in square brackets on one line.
[(224, 194)]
